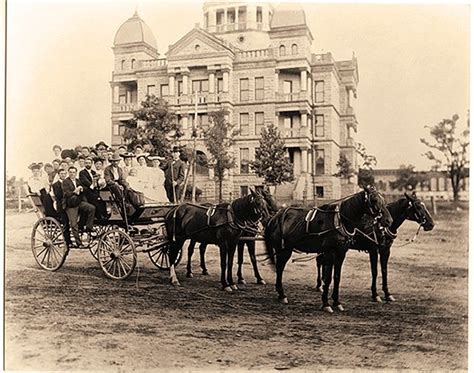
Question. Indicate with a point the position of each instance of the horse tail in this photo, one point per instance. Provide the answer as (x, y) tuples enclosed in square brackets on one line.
[(270, 250)]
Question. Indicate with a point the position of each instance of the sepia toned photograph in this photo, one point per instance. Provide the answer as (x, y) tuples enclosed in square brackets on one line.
[(236, 186)]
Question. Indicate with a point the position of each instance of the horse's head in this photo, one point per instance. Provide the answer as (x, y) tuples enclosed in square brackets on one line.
[(418, 212), (270, 200), (258, 206), (376, 206)]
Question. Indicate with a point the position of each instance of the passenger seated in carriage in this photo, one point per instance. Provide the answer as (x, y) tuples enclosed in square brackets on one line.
[(58, 198), (90, 180), (39, 184)]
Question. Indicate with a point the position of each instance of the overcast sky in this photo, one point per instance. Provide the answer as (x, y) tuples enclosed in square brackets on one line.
[(413, 68)]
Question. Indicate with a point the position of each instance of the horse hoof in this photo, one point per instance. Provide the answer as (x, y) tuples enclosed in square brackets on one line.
[(377, 299), (228, 289), (283, 300), (234, 287), (175, 283), (390, 298), (328, 309), (242, 281), (205, 272), (340, 308), (261, 282), (189, 275)]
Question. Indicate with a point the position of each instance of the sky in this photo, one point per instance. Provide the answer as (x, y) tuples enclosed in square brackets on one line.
[(413, 67)]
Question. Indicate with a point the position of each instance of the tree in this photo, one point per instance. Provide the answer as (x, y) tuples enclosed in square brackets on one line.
[(366, 174), (219, 137), (271, 162), (408, 178), (344, 166), (450, 150), (153, 126)]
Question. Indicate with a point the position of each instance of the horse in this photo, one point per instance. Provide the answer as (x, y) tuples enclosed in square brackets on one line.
[(325, 229), (221, 225), (406, 208), (250, 243)]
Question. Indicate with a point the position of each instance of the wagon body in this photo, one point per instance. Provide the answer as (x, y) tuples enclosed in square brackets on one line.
[(115, 242)]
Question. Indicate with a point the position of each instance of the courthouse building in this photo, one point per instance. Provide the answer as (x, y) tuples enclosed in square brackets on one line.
[(254, 60)]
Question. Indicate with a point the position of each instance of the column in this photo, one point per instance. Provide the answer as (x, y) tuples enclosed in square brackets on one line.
[(212, 81), (212, 20), (185, 84), (129, 97), (225, 20), (310, 162), (236, 17), (276, 84), (304, 120), (303, 80), (115, 93), (225, 81), (184, 121), (171, 85), (304, 160)]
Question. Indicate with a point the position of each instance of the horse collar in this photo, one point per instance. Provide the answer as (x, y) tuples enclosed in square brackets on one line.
[(390, 234)]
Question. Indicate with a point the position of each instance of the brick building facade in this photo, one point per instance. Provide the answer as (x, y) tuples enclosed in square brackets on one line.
[(256, 62)]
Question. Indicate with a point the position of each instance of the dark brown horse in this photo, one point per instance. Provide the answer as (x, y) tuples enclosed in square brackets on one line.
[(221, 225), (327, 229), (406, 208), (250, 243)]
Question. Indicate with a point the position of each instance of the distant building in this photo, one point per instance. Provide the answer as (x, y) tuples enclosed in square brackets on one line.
[(436, 184), (255, 61)]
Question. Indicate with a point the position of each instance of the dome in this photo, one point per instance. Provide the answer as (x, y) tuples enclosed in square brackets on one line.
[(134, 30), (288, 15)]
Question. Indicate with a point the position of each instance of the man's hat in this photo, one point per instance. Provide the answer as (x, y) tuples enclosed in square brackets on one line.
[(155, 157), (115, 157), (68, 153), (34, 165), (144, 155), (101, 144), (138, 146), (127, 155), (122, 147), (175, 149), (57, 146)]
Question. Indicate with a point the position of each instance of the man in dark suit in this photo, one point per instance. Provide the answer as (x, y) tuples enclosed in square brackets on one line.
[(174, 176), (89, 180), (75, 204), (58, 196)]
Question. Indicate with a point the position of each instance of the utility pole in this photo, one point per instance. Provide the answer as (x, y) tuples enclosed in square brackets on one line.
[(194, 135)]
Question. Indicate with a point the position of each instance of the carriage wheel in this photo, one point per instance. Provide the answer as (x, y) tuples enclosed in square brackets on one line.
[(160, 256), (94, 239), (117, 254), (48, 244)]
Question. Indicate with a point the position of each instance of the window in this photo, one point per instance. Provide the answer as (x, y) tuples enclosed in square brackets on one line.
[(150, 89), (287, 87), (180, 88), (231, 16), (244, 89), (294, 49), (164, 90), (244, 160), (122, 95), (220, 17), (282, 50), (220, 85), (200, 86), (244, 190), (201, 169), (122, 65), (133, 63), (115, 130), (319, 191), (259, 123), (259, 14), (319, 162), (319, 91), (319, 126), (122, 129), (244, 124), (259, 89)]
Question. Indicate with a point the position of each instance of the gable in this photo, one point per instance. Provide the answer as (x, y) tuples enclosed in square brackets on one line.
[(195, 43)]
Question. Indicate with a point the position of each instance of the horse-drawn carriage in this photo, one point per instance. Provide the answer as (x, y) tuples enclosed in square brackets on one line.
[(114, 242)]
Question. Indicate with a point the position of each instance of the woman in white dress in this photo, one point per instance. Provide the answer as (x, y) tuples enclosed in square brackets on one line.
[(157, 180)]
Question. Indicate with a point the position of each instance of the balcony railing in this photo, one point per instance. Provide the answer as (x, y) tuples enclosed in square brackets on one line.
[(124, 108), (288, 133), (151, 64), (202, 98), (253, 54), (292, 97)]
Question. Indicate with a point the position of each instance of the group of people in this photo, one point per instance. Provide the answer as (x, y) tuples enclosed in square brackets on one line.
[(69, 186)]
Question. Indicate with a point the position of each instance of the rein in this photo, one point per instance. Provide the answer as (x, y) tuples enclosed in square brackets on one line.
[(412, 239)]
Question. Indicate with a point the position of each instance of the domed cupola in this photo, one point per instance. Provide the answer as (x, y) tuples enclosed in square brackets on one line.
[(134, 30)]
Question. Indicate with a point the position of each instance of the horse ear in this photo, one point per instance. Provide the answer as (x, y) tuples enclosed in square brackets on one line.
[(408, 197), (413, 194), (252, 193)]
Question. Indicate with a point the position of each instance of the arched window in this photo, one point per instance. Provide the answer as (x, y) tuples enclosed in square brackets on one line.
[(122, 65), (133, 63), (294, 49), (282, 50), (201, 163)]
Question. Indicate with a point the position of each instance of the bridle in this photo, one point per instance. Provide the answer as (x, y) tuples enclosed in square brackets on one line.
[(419, 219)]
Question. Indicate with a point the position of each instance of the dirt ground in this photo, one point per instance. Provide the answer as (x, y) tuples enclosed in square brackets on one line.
[(77, 319)]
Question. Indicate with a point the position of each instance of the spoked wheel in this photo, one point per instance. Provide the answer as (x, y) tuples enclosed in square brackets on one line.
[(95, 237), (117, 254), (160, 256), (48, 244)]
